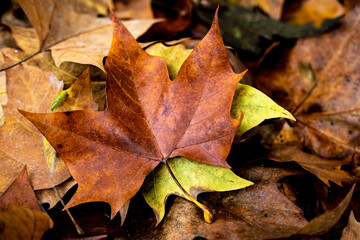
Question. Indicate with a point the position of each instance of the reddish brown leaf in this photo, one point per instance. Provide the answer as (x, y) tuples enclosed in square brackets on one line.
[(21, 215), (324, 169), (21, 193), (149, 119)]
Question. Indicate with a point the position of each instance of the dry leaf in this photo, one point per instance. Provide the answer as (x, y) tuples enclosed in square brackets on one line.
[(273, 8), (91, 47), (140, 9), (31, 89), (314, 11), (324, 169), (352, 230), (149, 119), (319, 81), (258, 212), (21, 215)]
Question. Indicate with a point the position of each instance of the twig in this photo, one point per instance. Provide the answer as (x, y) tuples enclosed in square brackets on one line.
[(21, 61), (78, 228)]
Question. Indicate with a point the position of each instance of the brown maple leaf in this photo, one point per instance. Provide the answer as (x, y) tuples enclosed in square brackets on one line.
[(148, 120)]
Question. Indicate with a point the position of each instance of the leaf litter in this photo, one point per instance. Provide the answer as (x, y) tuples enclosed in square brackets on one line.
[(310, 73)]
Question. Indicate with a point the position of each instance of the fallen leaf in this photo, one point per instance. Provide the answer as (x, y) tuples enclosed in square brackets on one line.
[(49, 196), (21, 193), (21, 215), (31, 89), (77, 97), (63, 18), (325, 169), (92, 46), (254, 32), (174, 56), (73, 36), (3, 94), (314, 11), (140, 9), (178, 15), (324, 222), (96, 7), (258, 212), (272, 8), (351, 231), (318, 80), (25, 38), (23, 223), (159, 185), (146, 122), (255, 106), (45, 62)]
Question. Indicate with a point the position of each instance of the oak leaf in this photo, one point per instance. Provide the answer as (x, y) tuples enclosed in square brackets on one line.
[(149, 119)]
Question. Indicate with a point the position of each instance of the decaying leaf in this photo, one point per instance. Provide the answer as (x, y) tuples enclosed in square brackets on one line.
[(23, 223), (49, 196), (32, 89), (149, 119), (255, 106), (272, 8), (324, 169), (324, 222), (352, 230), (140, 9), (321, 85), (254, 32), (3, 94), (159, 185), (314, 11), (21, 215), (258, 212), (85, 40), (91, 47), (54, 22)]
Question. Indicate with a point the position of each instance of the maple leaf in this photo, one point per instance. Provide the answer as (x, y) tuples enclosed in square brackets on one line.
[(149, 119), (160, 185)]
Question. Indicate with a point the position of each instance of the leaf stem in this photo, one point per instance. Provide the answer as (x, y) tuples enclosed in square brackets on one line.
[(78, 228), (21, 61), (208, 215)]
